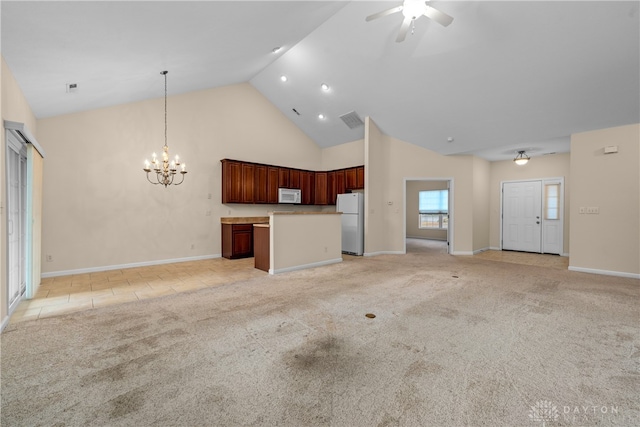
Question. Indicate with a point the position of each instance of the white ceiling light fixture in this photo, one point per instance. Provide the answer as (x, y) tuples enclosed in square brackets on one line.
[(284, 78), (276, 49), (521, 158), (321, 116), (325, 87), (412, 10), (165, 171)]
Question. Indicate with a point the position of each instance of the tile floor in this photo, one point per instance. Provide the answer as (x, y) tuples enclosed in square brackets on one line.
[(67, 294)]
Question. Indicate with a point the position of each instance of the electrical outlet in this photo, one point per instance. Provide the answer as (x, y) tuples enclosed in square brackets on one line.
[(49, 258), (209, 196), (583, 210), (193, 246)]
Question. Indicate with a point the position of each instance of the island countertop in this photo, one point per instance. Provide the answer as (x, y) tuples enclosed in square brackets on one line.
[(244, 220)]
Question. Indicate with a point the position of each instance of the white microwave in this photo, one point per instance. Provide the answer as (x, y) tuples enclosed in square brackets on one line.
[(289, 195)]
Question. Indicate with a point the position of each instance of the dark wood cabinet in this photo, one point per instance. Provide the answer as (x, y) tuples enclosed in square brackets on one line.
[(261, 184), (237, 240), (350, 178), (294, 178), (331, 188), (283, 177), (321, 190), (360, 177), (307, 187), (261, 247), (341, 186), (246, 182), (272, 184), (231, 181)]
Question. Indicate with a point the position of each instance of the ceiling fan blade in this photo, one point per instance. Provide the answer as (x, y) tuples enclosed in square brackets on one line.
[(440, 17), (404, 29), (383, 13)]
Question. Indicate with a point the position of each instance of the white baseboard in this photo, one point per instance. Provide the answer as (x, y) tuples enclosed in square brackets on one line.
[(605, 272), (4, 323), (462, 253), (477, 251), (304, 266), (495, 248), (123, 266), (384, 253)]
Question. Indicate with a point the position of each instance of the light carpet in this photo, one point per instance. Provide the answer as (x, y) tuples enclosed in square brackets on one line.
[(456, 341)]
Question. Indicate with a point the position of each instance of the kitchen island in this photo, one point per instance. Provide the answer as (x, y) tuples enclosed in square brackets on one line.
[(299, 240)]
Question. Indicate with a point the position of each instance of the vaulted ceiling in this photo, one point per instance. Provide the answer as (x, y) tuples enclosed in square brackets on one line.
[(504, 76)]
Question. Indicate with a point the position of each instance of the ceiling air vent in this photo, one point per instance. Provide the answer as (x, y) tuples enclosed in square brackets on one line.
[(352, 120)]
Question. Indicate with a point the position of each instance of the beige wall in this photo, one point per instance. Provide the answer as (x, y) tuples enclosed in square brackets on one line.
[(549, 166), (100, 211), (481, 190), (343, 155), (303, 241), (402, 161), (13, 107), (375, 180), (608, 242), (413, 190)]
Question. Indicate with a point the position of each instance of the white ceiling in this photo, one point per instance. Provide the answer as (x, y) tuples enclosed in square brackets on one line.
[(503, 76)]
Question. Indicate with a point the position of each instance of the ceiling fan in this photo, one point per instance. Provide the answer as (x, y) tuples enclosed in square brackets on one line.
[(412, 10)]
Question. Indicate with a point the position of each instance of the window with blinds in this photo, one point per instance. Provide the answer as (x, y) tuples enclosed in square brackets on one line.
[(433, 209)]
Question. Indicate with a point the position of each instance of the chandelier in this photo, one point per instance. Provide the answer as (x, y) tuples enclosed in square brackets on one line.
[(165, 171)]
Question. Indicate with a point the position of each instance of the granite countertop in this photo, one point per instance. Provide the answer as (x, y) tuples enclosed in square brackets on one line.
[(244, 220), (303, 213), (261, 225)]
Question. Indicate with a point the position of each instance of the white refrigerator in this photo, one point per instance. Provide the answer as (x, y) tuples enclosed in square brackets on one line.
[(352, 207)]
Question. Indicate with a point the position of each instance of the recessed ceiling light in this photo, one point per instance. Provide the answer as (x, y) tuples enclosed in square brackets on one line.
[(284, 78), (325, 87), (321, 116), (450, 139), (276, 49)]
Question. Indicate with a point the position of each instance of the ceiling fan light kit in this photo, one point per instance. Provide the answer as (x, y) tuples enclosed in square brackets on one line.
[(412, 10)]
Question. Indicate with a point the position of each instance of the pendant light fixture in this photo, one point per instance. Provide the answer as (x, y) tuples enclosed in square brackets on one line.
[(165, 171), (521, 158)]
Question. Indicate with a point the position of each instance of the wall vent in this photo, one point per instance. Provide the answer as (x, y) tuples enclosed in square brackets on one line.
[(352, 120)]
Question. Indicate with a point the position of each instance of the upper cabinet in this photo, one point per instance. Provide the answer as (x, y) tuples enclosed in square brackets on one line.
[(246, 182)]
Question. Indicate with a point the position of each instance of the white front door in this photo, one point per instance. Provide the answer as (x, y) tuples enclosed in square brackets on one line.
[(521, 216)]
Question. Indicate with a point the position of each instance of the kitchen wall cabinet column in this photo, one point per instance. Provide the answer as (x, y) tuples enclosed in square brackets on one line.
[(321, 190)]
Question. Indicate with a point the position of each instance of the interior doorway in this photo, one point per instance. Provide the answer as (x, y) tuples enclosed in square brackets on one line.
[(428, 221), (533, 215)]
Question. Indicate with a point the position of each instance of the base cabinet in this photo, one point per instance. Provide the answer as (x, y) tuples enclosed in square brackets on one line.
[(237, 241), (261, 246)]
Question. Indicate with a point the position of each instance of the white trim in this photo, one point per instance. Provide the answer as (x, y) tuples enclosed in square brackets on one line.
[(20, 131), (543, 181), (304, 266), (385, 253), (5, 322), (605, 272), (463, 253), (123, 266), (493, 248), (451, 227), (477, 251), (566, 254)]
